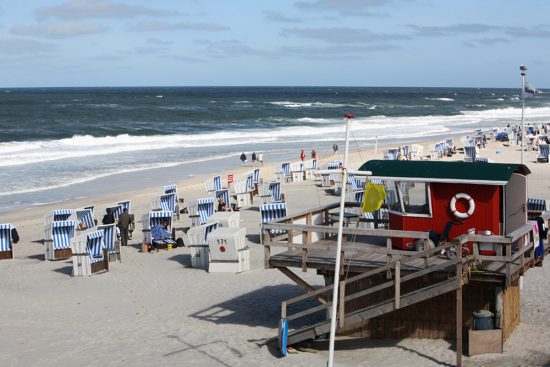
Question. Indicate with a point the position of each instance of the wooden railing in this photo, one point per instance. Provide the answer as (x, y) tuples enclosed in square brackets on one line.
[(396, 282)]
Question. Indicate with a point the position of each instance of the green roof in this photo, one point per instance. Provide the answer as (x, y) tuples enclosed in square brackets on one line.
[(441, 171)]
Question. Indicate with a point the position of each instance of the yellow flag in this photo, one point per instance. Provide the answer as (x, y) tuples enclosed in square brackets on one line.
[(374, 197)]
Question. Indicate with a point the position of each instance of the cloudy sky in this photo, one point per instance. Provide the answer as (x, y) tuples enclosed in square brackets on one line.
[(463, 43)]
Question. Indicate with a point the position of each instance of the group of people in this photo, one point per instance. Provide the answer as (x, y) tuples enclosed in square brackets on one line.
[(254, 157), (124, 221)]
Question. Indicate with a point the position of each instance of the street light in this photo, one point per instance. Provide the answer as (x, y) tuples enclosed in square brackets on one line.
[(523, 69)]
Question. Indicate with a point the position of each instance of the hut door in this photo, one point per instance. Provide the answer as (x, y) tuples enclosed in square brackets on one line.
[(515, 201)]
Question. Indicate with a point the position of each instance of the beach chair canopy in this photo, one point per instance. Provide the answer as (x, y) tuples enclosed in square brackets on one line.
[(170, 189), (109, 236), (224, 193), (95, 246), (156, 218), (270, 212), (116, 209), (86, 217), (62, 214), (275, 191), (5, 237), (168, 202), (126, 204), (62, 232), (205, 209)]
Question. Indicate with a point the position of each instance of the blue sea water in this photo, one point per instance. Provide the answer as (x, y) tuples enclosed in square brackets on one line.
[(54, 138)]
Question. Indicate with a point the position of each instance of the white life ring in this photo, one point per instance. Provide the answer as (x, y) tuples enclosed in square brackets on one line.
[(471, 208)]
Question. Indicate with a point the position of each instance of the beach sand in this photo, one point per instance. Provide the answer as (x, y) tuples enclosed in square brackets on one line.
[(153, 309)]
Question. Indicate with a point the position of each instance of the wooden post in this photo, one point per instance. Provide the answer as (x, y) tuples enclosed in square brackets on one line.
[(508, 264), (426, 249), (283, 310), (397, 284), (389, 257), (342, 304)]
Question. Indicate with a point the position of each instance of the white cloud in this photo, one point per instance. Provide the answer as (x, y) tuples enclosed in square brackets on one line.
[(24, 46), (277, 16), (57, 30), (85, 9), (153, 26), (340, 4), (343, 35)]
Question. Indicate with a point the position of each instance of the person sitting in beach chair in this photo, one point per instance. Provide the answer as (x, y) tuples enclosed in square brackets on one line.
[(160, 236), (222, 205)]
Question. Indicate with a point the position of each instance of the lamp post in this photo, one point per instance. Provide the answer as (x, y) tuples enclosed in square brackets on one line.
[(523, 69), (334, 309)]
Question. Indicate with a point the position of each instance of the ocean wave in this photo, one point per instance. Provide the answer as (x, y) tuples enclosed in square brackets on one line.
[(289, 104), (443, 99)]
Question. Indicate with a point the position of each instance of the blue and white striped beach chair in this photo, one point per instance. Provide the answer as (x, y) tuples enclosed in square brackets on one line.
[(205, 209), (271, 212), (213, 184), (275, 192), (89, 254), (110, 239), (57, 239), (170, 189), (391, 155), (469, 154), (535, 207), (224, 193), (287, 175), (256, 176), (62, 214), (126, 204), (543, 153), (155, 218), (85, 218), (116, 209), (6, 242), (168, 202)]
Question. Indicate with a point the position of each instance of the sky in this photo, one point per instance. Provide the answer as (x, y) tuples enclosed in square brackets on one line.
[(431, 43)]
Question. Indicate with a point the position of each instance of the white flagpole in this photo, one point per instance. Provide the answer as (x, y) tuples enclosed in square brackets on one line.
[(333, 315), (523, 70)]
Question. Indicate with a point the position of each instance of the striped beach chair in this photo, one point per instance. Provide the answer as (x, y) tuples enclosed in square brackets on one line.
[(126, 204), (224, 193), (271, 212), (116, 209), (57, 239), (85, 218), (205, 209), (469, 154), (155, 218), (168, 202), (62, 214), (170, 189), (6, 242), (535, 207), (543, 153), (287, 175), (256, 176), (213, 184), (111, 241), (89, 254)]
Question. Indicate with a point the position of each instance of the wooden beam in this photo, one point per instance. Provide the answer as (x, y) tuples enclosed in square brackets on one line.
[(302, 283), (397, 285)]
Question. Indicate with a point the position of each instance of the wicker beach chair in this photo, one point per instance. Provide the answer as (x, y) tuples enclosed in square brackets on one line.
[(200, 210), (111, 241), (270, 212), (156, 218), (89, 253), (198, 243), (85, 218), (6, 241), (543, 153), (470, 153), (57, 239)]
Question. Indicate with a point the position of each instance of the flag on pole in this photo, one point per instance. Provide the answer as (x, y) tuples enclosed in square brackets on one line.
[(374, 198), (530, 90)]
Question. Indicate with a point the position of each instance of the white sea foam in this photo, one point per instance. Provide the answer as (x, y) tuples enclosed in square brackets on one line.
[(290, 104), (444, 99)]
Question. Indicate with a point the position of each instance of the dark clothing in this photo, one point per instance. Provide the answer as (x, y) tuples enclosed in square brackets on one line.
[(124, 221), (243, 157), (108, 218), (253, 157)]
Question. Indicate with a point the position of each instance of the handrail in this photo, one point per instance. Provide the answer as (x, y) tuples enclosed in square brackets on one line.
[(350, 231)]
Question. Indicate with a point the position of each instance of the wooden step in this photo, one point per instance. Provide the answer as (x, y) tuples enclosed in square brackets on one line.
[(358, 316)]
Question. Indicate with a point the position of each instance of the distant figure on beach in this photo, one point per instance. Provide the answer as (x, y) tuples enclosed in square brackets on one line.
[(243, 158), (314, 154), (109, 217), (302, 155), (261, 158), (335, 148), (124, 221), (253, 157)]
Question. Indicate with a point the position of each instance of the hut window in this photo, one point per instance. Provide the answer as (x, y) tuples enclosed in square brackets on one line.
[(392, 197), (416, 197)]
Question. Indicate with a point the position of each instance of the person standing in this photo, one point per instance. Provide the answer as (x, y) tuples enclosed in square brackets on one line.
[(109, 217), (253, 158), (335, 148), (124, 221), (243, 158), (302, 155), (261, 158)]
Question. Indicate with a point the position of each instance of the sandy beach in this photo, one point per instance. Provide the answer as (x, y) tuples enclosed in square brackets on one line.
[(153, 309)]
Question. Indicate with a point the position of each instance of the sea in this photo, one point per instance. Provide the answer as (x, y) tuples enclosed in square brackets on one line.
[(58, 144)]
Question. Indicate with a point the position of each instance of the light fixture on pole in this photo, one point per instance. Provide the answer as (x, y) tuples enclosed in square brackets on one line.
[(523, 69), (333, 315)]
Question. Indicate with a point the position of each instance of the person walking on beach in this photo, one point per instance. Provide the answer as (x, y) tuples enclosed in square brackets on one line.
[(253, 158), (109, 217), (124, 221), (335, 148), (302, 155), (243, 158), (261, 158)]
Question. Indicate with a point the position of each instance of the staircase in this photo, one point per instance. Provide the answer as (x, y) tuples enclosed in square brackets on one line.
[(390, 304)]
